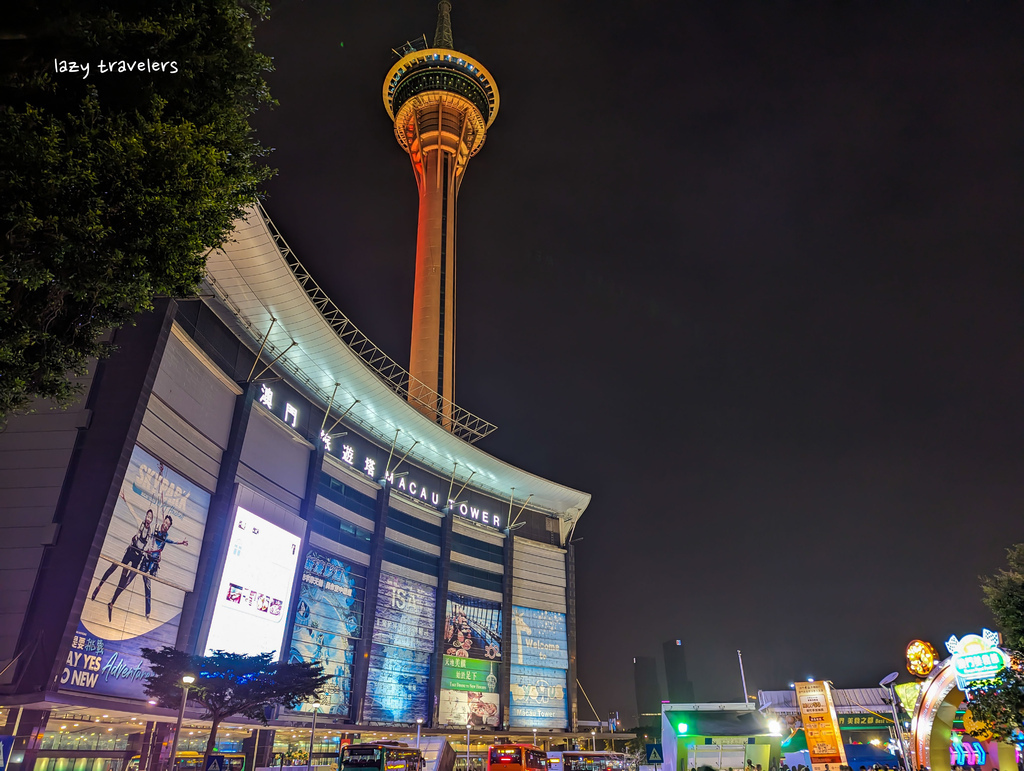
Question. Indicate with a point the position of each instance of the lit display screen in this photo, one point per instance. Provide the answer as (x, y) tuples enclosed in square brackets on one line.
[(402, 642), (147, 563), (328, 622), (538, 674), (470, 670), (539, 697), (255, 588)]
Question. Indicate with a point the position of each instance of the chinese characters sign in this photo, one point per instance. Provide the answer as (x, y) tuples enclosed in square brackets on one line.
[(470, 670), (976, 657), (821, 726)]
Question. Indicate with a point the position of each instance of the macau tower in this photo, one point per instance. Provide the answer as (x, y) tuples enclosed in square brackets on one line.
[(442, 103)]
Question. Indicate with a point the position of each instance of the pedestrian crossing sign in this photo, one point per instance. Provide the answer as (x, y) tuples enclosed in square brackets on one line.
[(216, 763), (654, 755)]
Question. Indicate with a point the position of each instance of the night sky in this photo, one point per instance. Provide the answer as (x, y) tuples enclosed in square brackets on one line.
[(748, 272)]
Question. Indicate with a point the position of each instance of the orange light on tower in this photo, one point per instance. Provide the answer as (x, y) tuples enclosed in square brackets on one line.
[(442, 103)]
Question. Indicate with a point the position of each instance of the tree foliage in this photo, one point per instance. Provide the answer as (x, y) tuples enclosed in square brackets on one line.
[(113, 186), (998, 704), (1004, 596), (231, 684)]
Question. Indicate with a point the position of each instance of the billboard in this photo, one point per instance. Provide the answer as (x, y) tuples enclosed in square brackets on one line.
[(539, 638), (328, 623), (470, 669), (540, 659), (539, 697), (147, 564), (821, 726), (400, 650), (251, 610)]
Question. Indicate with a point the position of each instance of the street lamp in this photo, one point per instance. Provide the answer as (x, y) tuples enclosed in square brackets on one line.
[(534, 737), (419, 722), (468, 726), (887, 682), (315, 705), (593, 740), (186, 681)]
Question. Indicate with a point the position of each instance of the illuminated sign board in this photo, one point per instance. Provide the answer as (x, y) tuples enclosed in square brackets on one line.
[(538, 673), (976, 657), (471, 641), (539, 638), (821, 724), (364, 457), (400, 651), (147, 564), (254, 598), (328, 624), (539, 698), (963, 753)]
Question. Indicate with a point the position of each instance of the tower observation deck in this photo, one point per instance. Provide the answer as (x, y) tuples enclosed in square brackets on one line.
[(442, 103)]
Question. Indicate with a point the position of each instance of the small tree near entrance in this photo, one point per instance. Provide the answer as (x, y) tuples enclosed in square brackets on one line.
[(229, 684)]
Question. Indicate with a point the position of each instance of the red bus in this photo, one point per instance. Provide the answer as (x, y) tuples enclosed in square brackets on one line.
[(516, 757)]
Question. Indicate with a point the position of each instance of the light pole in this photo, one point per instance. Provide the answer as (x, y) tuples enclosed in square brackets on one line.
[(534, 737), (315, 705), (468, 725), (887, 683), (593, 740), (419, 722), (186, 681)]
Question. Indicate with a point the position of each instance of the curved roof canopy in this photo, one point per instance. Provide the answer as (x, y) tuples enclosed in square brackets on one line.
[(264, 287)]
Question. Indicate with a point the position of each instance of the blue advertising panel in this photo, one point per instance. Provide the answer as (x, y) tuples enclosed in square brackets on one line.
[(402, 642), (328, 622), (147, 564), (539, 697), (539, 638), (470, 672)]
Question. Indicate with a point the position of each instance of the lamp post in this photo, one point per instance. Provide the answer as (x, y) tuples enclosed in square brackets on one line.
[(887, 682), (534, 737), (468, 726), (315, 705), (419, 722), (186, 681), (593, 740)]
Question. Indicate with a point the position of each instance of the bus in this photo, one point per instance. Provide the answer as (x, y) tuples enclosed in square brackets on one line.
[(381, 756), (187, 760), (516, 757), (587, 761)]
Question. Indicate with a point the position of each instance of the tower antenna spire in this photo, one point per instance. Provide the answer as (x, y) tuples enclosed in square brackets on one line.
[(443, 33)]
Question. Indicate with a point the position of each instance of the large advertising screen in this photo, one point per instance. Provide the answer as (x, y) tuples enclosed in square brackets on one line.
[(403, 639), (328, 623), (470, 668), (540, 658), (254, 599), (539, 697), (147, 564)]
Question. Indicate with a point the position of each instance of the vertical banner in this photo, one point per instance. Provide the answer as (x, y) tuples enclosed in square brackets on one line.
[(821, 726), (328, 622), (400, 651), (540, 662), (470, 670), (147, 564)]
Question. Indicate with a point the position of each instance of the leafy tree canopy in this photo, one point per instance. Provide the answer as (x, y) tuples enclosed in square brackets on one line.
[(1004, 596), (996, 706), (114, 185), (231, 684)]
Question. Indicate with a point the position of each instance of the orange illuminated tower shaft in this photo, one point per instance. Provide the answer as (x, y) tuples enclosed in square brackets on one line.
[(442, 103)]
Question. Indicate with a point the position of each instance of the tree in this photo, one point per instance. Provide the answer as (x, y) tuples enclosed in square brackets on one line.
[(115, 183), (998, 704), (1004, 596), (231, 684)]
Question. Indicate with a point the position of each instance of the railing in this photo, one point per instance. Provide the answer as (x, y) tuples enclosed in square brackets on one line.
[(455, 419)]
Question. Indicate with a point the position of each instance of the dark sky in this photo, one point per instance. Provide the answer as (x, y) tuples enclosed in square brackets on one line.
[(748, 272)]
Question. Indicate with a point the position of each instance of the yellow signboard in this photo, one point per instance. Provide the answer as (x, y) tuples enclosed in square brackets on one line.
[(821, 726)]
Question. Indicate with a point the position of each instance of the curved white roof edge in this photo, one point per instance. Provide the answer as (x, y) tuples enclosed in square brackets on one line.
[(252, 278)]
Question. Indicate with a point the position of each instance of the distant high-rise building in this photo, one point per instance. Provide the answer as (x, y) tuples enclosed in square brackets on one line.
[(648, 690), (680, 689)]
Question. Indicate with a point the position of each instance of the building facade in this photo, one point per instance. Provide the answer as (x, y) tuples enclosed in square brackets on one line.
[(246, 473)]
